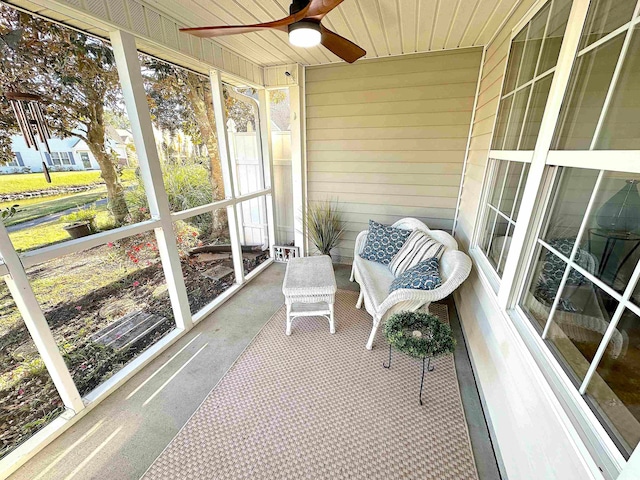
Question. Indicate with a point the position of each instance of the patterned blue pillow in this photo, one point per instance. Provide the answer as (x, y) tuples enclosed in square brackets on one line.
[(424, 276), (383, 242)]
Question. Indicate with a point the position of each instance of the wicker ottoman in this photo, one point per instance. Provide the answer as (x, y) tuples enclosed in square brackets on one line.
[(309, 289)]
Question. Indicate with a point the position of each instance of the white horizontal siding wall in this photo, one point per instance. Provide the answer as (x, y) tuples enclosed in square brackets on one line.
[(387, 137), (529, 428)]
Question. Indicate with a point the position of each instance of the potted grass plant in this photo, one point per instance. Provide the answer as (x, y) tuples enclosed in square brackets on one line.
[(323, 225), (80, 223)]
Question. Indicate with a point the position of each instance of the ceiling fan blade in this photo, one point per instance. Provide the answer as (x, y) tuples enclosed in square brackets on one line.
[(208, 32), (345, 49), (219, 31), (319, 8)]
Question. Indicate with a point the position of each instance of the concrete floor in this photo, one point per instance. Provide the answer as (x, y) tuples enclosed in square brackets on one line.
[(122, 436)]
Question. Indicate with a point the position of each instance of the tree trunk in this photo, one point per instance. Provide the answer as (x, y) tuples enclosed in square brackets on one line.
[(199, 95), (115, 191)]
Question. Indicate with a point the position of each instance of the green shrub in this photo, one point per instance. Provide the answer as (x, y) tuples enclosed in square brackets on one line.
[(187, 186), (83, 215)]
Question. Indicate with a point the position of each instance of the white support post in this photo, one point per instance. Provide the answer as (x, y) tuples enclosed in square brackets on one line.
[(298, 160), (534, 184), (36, 323), (265, 136), (227, 168), (135, 99)]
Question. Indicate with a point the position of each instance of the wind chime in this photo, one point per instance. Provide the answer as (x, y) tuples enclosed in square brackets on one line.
[(28, 112)]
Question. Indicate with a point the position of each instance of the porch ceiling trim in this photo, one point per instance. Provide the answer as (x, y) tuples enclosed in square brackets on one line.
[(156, 33)]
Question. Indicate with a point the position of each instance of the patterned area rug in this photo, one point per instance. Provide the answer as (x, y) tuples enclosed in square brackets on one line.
[(321, 406)]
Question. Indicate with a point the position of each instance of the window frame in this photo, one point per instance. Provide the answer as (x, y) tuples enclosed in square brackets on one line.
[(62, 158), (545, 164), (486, 207)]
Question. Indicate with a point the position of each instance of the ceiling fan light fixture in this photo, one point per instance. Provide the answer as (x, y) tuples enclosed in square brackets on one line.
[(305, 34)]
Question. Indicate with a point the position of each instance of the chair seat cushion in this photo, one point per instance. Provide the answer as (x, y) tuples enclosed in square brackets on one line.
[(376, 279), (383, 242), (418, 247), (424, 276)]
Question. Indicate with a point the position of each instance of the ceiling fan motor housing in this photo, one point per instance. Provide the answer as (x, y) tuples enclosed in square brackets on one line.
[(297, 5)]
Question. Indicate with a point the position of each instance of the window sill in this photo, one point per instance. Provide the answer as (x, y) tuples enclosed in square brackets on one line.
[(485, 268)]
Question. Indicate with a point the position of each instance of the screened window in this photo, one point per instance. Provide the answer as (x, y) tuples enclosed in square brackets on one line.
[(28, 398), (81, 108), (181, 105), (110, 297)]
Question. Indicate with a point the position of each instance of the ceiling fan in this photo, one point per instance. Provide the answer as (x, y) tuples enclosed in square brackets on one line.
[(303, 26)]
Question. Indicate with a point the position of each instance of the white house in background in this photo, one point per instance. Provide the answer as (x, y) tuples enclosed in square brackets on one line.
[(70, 153)]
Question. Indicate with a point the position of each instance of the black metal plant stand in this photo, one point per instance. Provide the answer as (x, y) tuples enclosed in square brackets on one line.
[(429, 368)]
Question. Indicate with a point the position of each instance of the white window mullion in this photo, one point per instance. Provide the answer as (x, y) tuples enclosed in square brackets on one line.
[(559, 84), (613, 323), (36, 323), (498, 212), (585, 273), (227, 169), (535, 79), (609, 36), (574, 251), (627, 161), (135, 99)]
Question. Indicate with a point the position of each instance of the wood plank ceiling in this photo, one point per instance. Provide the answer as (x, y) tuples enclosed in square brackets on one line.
[(381, 27)]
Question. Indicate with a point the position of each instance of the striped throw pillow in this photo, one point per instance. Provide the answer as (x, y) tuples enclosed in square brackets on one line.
[(418, 247)]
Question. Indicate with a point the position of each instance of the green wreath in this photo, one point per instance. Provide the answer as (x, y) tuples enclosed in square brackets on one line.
[(419, 334)]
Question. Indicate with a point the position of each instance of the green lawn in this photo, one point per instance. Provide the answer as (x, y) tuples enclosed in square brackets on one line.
[(49, 233), (31, 182), (47, 206)]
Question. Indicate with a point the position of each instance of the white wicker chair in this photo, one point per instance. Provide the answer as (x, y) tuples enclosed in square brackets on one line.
[(374, 278)]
